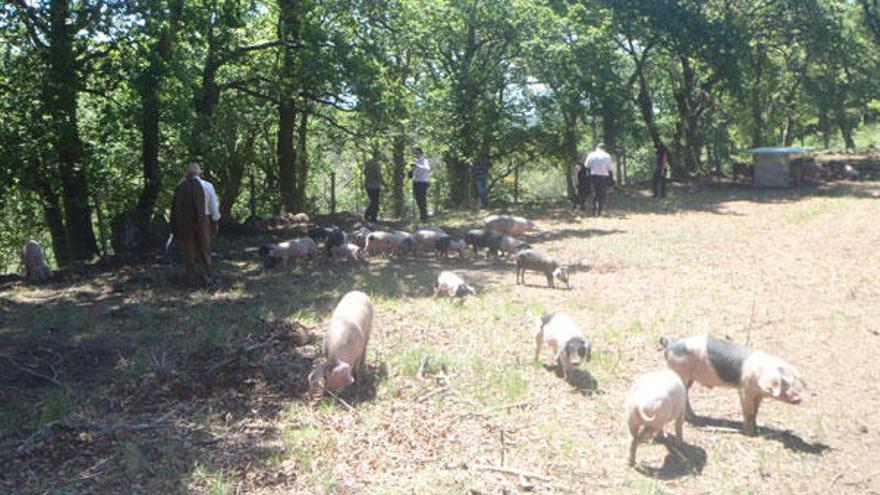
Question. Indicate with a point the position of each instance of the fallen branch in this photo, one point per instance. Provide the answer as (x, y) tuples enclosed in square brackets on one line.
[(341, 401), (101, 430), (485, 414), (33, 373), (433, 393), (506, 470), (44, 431)]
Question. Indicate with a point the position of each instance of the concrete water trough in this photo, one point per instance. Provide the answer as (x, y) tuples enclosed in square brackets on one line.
[(772, 165)]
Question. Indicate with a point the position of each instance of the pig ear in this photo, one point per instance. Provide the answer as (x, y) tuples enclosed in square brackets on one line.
[(771, 383), (344, 370)]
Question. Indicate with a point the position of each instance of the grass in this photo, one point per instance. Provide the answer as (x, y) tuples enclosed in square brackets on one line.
[(792, 273)]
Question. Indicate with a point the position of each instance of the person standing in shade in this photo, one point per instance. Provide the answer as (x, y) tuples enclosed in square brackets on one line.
[(480, 172), (661, 165), (601, 168), (373, 183), (421, 171), (195, 217), (581, 179)]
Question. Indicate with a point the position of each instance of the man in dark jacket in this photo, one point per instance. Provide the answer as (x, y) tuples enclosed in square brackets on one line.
[(194, 219), (373, 183), (480, 172), (581, 180)]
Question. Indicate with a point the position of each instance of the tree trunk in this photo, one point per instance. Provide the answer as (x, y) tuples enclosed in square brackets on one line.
[(60, 97), (825, 127), (688, 122), (205, 102), (288, 32), (287, 155), (646, 106), (148, 84), (568, 150), (148, 87), (54, 220), (302, 156), (239, 153), (757, 104), (398, 172)]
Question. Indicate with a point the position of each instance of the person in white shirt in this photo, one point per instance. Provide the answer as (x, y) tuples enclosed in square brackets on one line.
[(601, 168), (421, 171), (195, 216)]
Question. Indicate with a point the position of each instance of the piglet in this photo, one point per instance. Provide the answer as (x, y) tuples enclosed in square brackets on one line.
[(332, 237), (505, 245), (445, 244), (510, 225), (564, 338), (350, 252), (451, 285), (478, 238), (345, 344), (284, 251), (717, 363), (655, 399), (388, 243), (529, 259)]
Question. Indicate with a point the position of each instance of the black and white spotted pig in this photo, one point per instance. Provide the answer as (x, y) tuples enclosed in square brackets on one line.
[(714, 362), (564, 338)]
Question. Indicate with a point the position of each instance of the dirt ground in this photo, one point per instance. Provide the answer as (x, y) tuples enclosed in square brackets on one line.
[(118, 381)]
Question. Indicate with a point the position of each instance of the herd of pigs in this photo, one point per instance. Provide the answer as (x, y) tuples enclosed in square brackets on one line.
[(656, 398)]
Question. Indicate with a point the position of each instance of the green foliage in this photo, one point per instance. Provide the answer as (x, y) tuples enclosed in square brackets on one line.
[(98, 128)]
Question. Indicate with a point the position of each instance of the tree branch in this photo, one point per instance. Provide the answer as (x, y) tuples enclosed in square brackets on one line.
[(32, 23), (240, 86)]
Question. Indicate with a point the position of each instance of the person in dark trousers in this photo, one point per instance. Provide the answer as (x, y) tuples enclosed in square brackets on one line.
[(480, 172), (601, 168), (421, 171), (373, 183), (582, 182), (661, 165)]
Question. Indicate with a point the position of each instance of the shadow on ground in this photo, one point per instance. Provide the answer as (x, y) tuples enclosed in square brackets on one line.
[(682, 460), (582, 381), (788, 439)]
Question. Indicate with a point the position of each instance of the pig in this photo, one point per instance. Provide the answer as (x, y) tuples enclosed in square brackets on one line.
[(298, 218), (530, 259), (426, 240), (284, 251), (506, 224), (331, 236), (430, 228), (388, 243), (717, 363), (34, 262), (562, 334), (505, 245), (451, 285), (345, 344), (359, 235), (479, 238), (445, 244), (655, 399), (350, 252)]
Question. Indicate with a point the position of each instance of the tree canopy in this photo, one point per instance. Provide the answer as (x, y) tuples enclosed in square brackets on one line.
[(105, 101)]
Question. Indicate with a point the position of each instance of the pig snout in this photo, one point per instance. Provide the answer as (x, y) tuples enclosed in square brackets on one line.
[(791, 392)]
